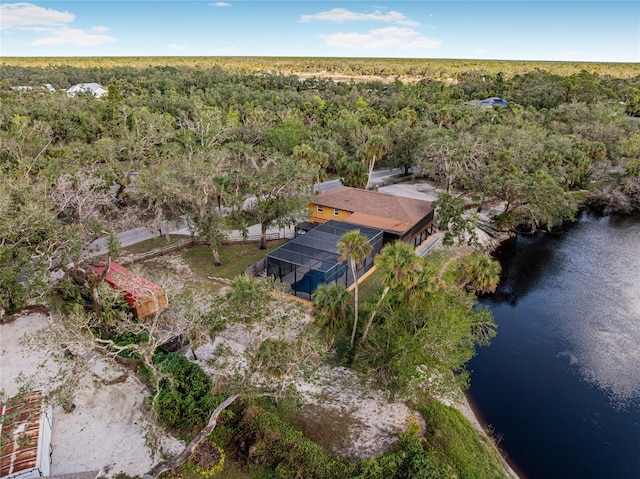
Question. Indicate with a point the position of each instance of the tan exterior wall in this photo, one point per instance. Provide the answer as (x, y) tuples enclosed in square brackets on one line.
[(326, 214)]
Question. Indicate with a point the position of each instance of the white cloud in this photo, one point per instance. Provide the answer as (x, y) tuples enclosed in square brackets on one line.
[(220, 4), (53, 23), (389, 37), (341, 15), (20, 15), (176, 47), (72, 36)]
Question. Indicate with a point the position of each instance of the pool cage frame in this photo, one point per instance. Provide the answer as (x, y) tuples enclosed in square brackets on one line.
[(311, 259)]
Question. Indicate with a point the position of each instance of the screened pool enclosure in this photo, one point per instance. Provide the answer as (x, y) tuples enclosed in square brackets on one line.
[(312, 258)]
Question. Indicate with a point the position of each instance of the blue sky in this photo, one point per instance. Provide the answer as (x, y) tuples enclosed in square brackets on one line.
[(505, 30)]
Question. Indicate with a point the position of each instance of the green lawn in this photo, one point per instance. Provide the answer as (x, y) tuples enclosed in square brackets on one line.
[(439, 258), (234, 257)]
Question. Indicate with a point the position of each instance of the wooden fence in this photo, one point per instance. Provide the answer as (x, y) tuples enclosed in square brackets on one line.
[(170, 248), (256, 269), (253, 238)]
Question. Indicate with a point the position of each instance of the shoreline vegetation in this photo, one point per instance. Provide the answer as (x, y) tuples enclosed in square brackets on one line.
[(230, 142)]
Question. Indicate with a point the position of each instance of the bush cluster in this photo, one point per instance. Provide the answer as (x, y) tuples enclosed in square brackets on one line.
[(185, 402)]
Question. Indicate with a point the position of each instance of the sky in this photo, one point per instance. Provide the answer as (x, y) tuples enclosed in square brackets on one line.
[(542, 30)]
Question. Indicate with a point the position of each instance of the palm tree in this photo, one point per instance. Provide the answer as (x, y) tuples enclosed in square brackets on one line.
[(401, 268), (354, 247), (480, 274), (330, 308), (375, 148)]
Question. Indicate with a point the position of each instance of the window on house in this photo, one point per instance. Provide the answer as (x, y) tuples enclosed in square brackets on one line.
[(319, 208), (335, 212)]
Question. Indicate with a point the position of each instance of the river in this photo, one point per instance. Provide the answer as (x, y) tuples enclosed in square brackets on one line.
[(560, 384)]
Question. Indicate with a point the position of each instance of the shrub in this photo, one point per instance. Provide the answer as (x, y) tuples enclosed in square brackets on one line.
[(185, 402), (407, 460)]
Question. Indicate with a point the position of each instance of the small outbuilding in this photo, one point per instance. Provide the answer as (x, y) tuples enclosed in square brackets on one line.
[(145, 297), (25, 437), (312, 258)]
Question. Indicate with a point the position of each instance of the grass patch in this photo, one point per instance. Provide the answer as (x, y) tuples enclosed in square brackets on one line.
[(439, 258), (327, 427), (235, 258), (370, 286), (456, 443)]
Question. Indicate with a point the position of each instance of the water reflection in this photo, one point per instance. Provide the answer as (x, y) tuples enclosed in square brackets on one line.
[(601, 310), (562, 379), (521, 272)]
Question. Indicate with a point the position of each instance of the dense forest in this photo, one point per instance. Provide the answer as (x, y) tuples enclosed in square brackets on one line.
[(228, 145)]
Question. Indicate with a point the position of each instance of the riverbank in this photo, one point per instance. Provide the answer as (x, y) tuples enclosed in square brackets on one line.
[(467, 408)]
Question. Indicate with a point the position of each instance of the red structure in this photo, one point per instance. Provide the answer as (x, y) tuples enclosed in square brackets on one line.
[(145, 297)]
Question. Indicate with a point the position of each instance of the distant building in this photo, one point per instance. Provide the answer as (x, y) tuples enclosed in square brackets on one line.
[(46, 86), (93, 88), (488, 102)]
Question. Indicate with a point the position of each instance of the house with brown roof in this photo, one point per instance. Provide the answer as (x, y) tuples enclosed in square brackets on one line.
[(400, 218)]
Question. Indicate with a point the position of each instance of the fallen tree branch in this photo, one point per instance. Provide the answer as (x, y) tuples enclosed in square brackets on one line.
[(181, 458)]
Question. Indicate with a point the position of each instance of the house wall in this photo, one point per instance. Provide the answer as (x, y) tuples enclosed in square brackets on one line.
[(424, 225), (326, 214)]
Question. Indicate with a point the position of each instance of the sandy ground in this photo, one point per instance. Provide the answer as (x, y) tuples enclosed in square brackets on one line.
[(371, 422), (106, 430)]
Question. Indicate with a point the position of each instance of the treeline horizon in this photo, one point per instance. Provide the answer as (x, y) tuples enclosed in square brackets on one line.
[(439, 69)]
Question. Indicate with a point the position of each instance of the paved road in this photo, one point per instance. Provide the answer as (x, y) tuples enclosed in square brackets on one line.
[(137, 235), (376, 177)]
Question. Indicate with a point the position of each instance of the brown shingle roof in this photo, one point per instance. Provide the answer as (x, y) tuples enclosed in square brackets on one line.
[(402, 210), (378, 222)]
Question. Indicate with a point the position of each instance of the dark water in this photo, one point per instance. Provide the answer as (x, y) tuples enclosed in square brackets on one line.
[(560, 385)]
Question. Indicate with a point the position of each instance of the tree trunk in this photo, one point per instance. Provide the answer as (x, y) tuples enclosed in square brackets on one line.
[(355, 317), (181, 458), (373, 315), (263, 236), (216, 257), (372, 163)]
